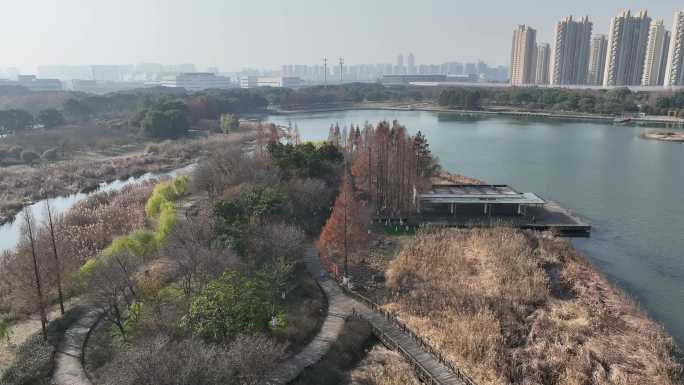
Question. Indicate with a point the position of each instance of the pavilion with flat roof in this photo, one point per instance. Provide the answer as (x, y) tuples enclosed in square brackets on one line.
[(485, 200), (483, 205)]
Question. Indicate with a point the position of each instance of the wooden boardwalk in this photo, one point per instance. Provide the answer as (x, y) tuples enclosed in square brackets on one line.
[(343, 305)]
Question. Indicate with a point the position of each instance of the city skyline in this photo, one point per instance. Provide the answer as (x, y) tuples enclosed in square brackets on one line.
[(638, 50), (78, 32)]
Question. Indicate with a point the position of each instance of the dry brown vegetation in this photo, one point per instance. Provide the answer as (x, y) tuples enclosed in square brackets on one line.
[(85, 230), (66, 177), (513, 307), (382, 366)]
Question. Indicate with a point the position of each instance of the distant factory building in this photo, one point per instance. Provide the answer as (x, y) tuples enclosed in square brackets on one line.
[(405, 79), (196, 81), (270, 81)]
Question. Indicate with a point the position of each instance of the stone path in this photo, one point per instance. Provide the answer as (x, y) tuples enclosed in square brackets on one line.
[(68, 358), (341, 306)]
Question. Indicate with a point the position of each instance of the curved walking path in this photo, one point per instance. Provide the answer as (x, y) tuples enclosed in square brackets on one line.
[(341, 306), (69, 355)]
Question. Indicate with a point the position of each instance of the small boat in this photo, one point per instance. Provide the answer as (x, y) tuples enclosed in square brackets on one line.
[(622, 120)]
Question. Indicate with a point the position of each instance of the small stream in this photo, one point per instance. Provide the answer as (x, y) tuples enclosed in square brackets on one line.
[(10, 232)]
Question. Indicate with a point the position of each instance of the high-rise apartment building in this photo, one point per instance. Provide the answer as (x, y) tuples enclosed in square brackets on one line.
[(597, 60), (627, 41), (674, 72), (523, 55), (543, 60), (570, 61), (656, 54), (411, 62)]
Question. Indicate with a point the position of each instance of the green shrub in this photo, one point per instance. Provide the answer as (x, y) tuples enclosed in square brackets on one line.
[(141, 243), (166, 192), (180, 185), (230, 305), (163, 192), (167, 218), (4, 331)]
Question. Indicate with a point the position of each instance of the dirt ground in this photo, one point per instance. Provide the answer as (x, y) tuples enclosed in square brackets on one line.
[(20, 331)]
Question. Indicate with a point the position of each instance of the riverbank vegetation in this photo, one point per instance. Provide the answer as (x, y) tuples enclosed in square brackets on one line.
[(20, 183), (509, 306)]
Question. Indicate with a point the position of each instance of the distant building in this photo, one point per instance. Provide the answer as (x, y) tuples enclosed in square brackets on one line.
[(543, 61), (405, 79), (657, 50), (270, 81), (470, 68), (471, 78), (196, 81), (37, 84), (570, 58), (64, 72), (84, 85), (411, 64), (627, 41), (597, 60), (106, 73), (674, 72), (523, 55)]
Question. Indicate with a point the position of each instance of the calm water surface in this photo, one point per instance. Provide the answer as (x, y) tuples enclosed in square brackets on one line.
[(630, 189)]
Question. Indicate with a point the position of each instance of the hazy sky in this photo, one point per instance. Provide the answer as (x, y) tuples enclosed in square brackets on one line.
[(232, 34)]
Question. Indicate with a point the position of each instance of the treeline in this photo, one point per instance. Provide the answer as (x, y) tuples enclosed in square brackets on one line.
[(346, 93), (15, 120), (385, 170), (614, 101)]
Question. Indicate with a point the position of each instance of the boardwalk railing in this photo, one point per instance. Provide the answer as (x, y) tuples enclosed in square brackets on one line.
[(426, 376)]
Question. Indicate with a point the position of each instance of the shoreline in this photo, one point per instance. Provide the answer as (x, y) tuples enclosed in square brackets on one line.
[(430, 107), (664, 136)]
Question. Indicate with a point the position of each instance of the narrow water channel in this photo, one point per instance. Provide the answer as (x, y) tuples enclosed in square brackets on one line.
[(10, 232)]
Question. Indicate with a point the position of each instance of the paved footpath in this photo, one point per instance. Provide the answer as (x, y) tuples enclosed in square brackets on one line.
[(68, 367), (340, 306)]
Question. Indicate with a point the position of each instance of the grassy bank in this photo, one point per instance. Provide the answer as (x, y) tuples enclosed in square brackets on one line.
[(513, 307)]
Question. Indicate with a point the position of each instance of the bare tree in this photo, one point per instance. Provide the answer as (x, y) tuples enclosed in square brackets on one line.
[(28, 230), (111, 288), (189, 246), (160, 360), (58, 264), (269, 243)]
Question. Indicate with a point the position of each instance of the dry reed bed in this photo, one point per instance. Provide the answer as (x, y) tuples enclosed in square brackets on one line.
[(84, 231), (382, 366), (513, 307), (68, 177)]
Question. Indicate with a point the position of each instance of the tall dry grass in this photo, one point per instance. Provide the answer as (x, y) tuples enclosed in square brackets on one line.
[(382, 366), (513, 307), (71, 176), (84, 231)]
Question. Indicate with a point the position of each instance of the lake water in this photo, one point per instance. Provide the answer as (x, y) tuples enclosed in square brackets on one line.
[(630, 189)]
